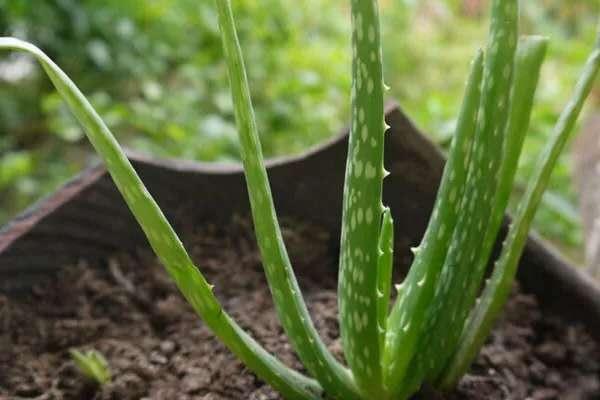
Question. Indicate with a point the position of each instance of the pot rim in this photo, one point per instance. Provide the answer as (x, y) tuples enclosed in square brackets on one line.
[(72, 223)]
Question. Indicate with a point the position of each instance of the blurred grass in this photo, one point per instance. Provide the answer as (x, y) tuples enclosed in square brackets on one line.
[(155, 72)]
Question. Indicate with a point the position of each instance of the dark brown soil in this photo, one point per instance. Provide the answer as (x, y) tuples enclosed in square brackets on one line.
[(158, 349)]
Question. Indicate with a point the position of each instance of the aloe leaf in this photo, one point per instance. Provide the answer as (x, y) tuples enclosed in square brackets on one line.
[(531, 52), (289, 303), (362, 207), (165, 242), (384, 274), (483, 171), (530, 56), (443, 329), (496, 292), (408, 313)]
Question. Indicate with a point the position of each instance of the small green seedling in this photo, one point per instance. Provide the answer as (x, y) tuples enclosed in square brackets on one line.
[(437, 324), (92, 365)]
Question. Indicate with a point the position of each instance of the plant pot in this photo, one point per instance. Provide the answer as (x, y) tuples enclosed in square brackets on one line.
[(85, 225)]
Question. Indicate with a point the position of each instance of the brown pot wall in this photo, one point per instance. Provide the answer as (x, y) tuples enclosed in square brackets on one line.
[(87, 217)]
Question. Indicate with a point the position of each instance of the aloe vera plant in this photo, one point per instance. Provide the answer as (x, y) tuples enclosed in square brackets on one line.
[(436, 324)]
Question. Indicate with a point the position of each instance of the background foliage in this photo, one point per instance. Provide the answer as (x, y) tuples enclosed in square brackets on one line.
[(156, 73)]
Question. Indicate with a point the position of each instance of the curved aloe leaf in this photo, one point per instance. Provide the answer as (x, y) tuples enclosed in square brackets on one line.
[(362, 208), (165, 242), (289, 303), (408, 313), (497, 290)]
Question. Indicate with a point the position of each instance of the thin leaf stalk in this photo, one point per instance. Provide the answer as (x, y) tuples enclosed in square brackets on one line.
[(289, 303)]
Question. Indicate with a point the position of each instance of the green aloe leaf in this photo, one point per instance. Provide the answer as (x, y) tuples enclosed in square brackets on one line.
[(528, 63), (289, 303), (384, 274), (444, 328), (481, 184), (498, 289), (362, 207), (408, 313), (165, 242)]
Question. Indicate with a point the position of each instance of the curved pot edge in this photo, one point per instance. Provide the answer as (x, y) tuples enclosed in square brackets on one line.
[(56, 226)]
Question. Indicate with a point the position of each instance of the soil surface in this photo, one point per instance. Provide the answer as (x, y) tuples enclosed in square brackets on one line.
[(157, 348)]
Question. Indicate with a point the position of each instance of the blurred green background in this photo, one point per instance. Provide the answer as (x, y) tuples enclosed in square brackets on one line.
[(155, 71)]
